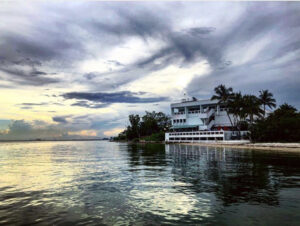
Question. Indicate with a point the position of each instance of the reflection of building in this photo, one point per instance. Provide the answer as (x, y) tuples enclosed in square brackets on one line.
[(231, 175), (194, 120)]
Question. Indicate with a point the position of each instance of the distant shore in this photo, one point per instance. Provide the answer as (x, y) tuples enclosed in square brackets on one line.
[(37, 140)]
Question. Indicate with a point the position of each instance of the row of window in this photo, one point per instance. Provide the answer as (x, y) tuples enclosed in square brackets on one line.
[(205, 110), (179, 121)]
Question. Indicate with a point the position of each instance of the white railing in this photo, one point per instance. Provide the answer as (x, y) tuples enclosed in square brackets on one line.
[(181, 116), (194, 112), (196, 134), (202, 115), (199, 136)]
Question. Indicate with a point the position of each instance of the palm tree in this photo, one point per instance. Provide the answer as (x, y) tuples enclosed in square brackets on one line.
[(252, 107), (266, 99), (235, 106), (224, 96)]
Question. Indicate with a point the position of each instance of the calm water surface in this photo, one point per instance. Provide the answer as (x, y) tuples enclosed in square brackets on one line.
[(103, 183)]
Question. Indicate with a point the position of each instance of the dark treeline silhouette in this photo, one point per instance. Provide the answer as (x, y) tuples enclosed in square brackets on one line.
[(150, 126), (282, 125), (250, 113)]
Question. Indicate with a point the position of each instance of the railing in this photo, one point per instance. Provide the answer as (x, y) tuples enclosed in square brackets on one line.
[(199, 136), (202, 133), (194, 112), (179, 113), (202, 115)]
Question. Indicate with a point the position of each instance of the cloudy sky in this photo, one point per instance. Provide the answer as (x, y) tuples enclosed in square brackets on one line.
[(79, 68)]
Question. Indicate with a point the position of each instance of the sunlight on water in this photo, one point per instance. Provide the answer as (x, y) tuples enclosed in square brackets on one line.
[(120, 184)]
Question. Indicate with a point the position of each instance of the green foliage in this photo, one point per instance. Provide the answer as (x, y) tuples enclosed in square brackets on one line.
[(243, 108), (251, 107), (266, 99), (152, 123), (133, 129), (157, 137), (135, 139), (224, 96), (283, 125)]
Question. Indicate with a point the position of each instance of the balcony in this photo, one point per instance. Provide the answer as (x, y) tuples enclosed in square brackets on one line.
[(202, 115), (179, 115)]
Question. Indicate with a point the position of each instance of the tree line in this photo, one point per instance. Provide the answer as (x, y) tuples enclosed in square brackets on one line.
[(152, 126), (244, 108), (250, 113)]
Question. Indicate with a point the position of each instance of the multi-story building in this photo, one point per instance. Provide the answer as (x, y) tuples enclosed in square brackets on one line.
[(194, 120)]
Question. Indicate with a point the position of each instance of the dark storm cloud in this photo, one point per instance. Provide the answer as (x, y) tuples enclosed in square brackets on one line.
[(135, 20), (90, 76), (110, 98), (58, 42), (34, 104), (87, 104), (60, 119), (274, 65), (30, 57), (31, 105), (26, 76)]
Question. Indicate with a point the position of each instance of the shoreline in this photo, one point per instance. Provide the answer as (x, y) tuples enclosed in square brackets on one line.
[(291, 147)]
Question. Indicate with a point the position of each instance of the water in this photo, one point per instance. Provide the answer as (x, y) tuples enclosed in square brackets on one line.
[(103, 183)]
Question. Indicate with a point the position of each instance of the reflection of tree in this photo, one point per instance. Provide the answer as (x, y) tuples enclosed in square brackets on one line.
[(234, 176), (147, 154)]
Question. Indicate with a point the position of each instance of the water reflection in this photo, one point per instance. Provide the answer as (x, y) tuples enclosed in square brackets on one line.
[(92, 183), (233, 176)]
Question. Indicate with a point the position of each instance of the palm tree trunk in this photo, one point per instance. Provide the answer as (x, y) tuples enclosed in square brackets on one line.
[(264, 111)]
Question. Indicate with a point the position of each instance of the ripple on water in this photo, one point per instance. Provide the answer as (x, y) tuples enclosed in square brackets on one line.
[(92, 183)]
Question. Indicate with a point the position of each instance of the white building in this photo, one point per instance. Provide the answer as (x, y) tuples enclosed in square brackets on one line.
[(196, 120)]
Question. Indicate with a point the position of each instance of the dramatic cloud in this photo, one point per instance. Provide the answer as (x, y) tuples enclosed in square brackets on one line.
[(109, 57), (59, 119), (88, 104), (109, 98)]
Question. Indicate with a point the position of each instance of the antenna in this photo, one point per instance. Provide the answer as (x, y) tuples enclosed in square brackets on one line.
[(184, 98)]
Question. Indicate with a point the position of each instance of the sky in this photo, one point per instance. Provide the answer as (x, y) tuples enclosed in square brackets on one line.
[(78, 69)]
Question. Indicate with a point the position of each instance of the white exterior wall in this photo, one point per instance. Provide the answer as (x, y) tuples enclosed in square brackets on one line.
[(222, 119), (199, 116), (193, 119)]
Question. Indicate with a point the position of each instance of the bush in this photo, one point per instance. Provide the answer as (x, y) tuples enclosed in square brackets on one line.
[(135, 140), (157, 137), (281, 126)]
